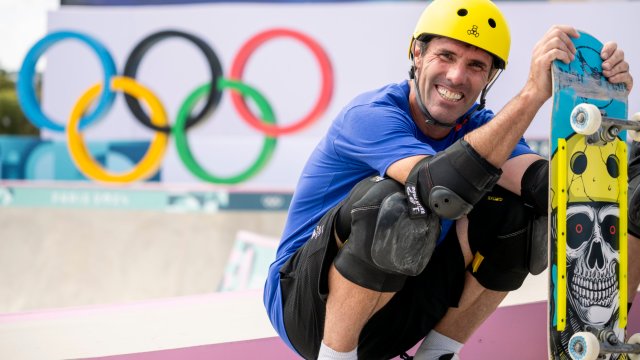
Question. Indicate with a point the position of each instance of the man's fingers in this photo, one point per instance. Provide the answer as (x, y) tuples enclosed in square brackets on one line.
[(562, 55), (620, 67), (614, 67), (566, 33), (608, 49), (622, 78), (557, 41), (614, 60)]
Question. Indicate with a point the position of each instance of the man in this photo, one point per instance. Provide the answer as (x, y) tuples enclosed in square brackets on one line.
[(414, 215)]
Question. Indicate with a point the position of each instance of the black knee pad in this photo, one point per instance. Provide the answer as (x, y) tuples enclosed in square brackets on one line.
[(384, 245), (501, 236), (538, 244)]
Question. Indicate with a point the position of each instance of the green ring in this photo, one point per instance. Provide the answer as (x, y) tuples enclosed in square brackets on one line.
[(268, 146)]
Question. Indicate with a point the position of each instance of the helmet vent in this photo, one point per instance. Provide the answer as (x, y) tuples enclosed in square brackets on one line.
[(462, 12), (492, 23)]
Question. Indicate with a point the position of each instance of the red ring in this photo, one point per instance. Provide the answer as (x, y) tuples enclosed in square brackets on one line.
[(579, 228), (322, 103), (612, 229)]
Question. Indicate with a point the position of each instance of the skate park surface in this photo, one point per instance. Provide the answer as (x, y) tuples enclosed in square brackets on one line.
[(107, 284)]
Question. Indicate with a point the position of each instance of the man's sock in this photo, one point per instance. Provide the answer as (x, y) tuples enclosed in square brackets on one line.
[(436, 345), (327, 353)]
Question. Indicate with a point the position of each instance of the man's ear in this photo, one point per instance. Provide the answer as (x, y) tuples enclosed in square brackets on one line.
[(417, 49), (417, 54)]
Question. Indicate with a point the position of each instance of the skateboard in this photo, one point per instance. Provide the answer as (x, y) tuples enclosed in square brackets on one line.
[(588, 211)]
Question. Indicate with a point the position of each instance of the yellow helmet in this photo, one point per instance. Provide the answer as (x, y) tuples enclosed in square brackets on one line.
[(476, 22)]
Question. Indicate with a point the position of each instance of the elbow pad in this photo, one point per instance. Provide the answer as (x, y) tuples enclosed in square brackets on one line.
[(535, 186), (450, 183)]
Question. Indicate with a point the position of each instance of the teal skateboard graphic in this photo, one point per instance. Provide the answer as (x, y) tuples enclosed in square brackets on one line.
[(588, 213)]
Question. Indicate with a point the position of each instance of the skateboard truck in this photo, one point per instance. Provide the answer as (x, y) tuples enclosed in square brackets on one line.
[(594, 343), (587, 119)]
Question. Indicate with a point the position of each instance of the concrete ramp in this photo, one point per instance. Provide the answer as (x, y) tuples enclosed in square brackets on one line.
[(52, 258)]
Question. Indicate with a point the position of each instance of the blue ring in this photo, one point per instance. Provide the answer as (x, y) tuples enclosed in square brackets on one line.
[(26, 89)]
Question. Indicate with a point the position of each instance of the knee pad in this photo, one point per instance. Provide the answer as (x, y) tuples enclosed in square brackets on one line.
[(451, 182), (384, 245), (401, 244), (509, 241), (538, 244), (535, 186)]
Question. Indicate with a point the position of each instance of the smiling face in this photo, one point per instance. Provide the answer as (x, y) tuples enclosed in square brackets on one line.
[(451, 75)]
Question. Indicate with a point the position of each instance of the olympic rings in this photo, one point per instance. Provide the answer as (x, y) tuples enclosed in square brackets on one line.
[(157, 120), (79, 153), (26, 76), (131, 68), (327, 81), (182, 146)]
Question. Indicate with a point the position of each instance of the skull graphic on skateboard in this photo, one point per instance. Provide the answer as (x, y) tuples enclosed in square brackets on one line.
[(588, 212)]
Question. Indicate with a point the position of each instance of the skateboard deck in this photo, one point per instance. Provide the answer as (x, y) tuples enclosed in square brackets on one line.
[(588, 196)]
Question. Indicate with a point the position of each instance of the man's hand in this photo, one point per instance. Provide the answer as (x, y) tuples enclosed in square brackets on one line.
[(614, 66), (556, 44)]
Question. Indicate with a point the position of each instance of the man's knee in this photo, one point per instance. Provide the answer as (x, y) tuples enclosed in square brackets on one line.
[(384, 245), (507, 239)]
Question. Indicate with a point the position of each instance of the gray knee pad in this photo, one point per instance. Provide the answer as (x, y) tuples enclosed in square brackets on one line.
[(403, 245), (384, 245)]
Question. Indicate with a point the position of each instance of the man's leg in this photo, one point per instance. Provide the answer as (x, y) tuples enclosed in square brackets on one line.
[(359, 281), (476, 304), (495, 240), (349, 307)]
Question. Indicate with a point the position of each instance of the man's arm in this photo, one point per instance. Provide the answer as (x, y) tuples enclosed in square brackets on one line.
[(615, 69), (513, 169), (496, 140)]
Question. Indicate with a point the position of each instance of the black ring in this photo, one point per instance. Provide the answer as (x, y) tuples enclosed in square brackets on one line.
[(131, 68)]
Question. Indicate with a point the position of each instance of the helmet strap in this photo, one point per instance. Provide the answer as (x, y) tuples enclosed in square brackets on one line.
[(483, 94)]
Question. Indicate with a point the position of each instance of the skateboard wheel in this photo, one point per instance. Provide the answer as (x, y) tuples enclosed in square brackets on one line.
[(633, 134), (584, 346), (634, 339), (585, 119)]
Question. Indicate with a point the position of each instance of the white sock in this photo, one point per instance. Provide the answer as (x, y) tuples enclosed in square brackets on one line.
[(327, 353), (436, 345)]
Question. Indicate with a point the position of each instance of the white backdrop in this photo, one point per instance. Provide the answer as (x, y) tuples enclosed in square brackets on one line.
[(366, 43)]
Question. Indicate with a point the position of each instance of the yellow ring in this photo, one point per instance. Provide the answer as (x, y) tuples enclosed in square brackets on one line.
[(80, 154)]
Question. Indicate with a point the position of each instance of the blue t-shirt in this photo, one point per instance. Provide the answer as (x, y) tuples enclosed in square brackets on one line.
[(371, 133)]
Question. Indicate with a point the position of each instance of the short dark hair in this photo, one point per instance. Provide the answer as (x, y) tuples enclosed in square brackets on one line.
[(424, 39)]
